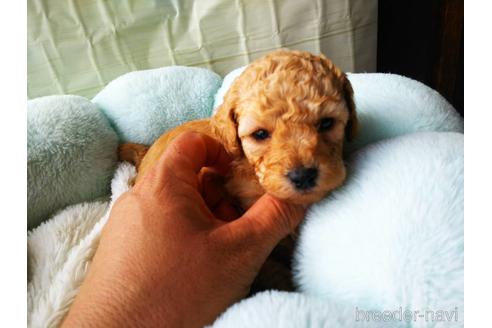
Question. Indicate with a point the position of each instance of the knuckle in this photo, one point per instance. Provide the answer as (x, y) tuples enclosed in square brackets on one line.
[(288, 215)]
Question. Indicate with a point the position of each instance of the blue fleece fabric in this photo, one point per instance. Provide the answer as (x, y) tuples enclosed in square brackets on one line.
[(71, 154), (144, 104)]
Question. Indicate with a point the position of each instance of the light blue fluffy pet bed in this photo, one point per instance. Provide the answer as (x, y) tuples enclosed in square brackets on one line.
[(72, 142), (390, 239), (71, 154)]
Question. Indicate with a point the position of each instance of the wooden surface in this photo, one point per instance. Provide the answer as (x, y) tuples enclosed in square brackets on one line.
[(423, 39)]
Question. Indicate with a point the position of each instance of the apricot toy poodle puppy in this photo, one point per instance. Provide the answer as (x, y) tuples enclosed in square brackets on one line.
[(283, 121)]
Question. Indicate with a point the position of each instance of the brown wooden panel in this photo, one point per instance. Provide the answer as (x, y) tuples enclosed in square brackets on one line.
[(423, 39), (448, 74)]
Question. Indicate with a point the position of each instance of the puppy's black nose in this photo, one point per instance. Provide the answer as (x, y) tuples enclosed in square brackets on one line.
[(303, 177)]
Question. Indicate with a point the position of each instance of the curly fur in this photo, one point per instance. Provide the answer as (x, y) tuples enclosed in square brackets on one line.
[(286, 93)]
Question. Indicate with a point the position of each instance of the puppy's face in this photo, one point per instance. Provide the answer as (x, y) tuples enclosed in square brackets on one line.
[(291, 112)]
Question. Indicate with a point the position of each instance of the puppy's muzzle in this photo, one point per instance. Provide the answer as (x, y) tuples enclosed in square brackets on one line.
[(303, 178)]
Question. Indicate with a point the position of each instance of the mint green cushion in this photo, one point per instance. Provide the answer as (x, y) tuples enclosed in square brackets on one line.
[(71, 154), (72, 142), (142, 105)]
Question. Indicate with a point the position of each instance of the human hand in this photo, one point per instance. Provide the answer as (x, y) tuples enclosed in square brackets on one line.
[(173, 252)]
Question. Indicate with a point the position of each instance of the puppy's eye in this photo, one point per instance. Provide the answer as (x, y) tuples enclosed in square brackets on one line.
[(260, 134), (325, 124)]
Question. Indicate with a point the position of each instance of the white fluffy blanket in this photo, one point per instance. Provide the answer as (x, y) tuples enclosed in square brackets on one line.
[(384, 250), (60, 252), (389, 241)]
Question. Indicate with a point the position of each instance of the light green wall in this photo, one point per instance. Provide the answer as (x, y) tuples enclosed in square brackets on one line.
[(78, 46)]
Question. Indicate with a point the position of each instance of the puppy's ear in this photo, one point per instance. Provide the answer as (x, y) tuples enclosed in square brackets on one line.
[(348, 94), (224, 126), (353, 123)]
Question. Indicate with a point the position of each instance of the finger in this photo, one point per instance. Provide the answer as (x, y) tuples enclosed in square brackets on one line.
[(213, 192), (225, 211), (191, 151), (211, 187), (183, 159), (268, 221)]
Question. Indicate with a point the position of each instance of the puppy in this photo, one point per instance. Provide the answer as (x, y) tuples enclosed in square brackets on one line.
[(283, 121)]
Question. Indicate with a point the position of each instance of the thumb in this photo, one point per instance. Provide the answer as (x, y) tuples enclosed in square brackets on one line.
[(269, 220)]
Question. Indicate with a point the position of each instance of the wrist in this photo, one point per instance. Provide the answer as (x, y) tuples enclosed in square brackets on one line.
[(118, 302)]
